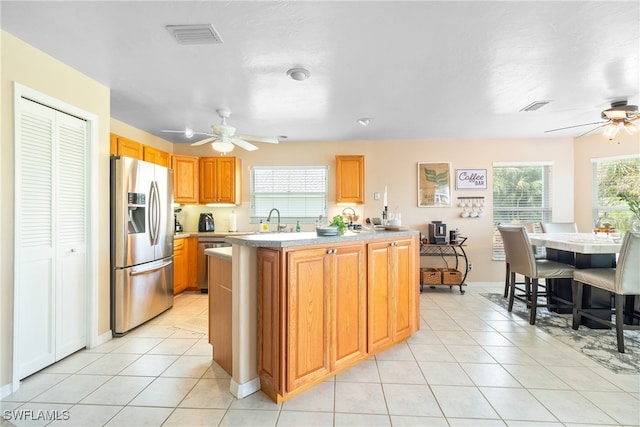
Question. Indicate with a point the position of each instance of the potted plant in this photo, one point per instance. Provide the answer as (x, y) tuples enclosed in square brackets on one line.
[(632, 198)]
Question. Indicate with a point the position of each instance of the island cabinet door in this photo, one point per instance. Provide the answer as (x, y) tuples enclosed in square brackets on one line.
[(380, 299), (309, 280), (350, 306), (270, 325), (392, 287)]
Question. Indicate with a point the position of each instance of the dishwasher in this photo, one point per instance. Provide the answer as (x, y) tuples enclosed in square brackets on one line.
[(206, 242)]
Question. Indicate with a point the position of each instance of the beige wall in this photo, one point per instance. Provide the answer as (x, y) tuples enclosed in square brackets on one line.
[(390, 163), (30, 67), (394, 164)]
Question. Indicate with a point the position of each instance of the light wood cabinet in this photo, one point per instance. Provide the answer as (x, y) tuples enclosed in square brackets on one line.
[(121, 146), (128, 147), (392, 296), (220, 319), (185, 178), (191, 246), (220, 180), (179, 266), (156, 156), (350, 179), (311, 319)]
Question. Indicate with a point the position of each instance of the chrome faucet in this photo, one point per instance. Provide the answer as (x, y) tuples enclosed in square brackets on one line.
[(280, 228)]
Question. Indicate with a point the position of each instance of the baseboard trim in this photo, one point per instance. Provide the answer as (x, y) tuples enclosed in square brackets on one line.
[(5, 390), (245, 389)]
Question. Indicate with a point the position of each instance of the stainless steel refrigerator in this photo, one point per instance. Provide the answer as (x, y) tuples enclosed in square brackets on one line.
[(142, 227)]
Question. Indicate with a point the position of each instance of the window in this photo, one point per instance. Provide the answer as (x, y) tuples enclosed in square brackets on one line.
[(521, 194), (611, 176), (298, 192)]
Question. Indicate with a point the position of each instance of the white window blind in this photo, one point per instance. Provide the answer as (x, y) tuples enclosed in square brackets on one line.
[(298, 192), (610, 177), (521, 194)]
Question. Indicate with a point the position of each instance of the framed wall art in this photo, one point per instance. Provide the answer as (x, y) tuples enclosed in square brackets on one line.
[(471, 179), (434, 184)]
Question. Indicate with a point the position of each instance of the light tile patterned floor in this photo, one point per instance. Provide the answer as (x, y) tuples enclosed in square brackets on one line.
[(471, 364)]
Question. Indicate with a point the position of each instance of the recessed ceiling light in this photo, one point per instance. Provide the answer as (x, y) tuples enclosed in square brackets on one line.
[(298, 74), (364, 121)]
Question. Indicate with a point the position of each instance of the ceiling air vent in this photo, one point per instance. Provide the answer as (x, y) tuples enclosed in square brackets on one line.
[(535, 105), (195, 34)]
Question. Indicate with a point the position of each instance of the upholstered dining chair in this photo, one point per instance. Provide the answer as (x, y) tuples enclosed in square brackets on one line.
[(521, 260), (559, 227), (621, 281), (531, 227)]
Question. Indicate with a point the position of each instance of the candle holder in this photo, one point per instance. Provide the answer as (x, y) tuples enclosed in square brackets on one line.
[(385, 216)]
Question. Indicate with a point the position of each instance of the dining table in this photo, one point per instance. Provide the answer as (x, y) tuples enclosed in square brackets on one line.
[(582, 250)]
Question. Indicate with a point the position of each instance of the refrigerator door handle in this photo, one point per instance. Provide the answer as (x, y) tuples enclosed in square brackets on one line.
[(153, 213), (149, 270)]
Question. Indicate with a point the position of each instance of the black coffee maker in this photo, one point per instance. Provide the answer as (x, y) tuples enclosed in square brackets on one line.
[(206, 224)]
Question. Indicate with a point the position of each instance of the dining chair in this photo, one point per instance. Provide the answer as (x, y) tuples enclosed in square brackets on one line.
[(531, 227), (521, 259), (559, 227), (621, 281)]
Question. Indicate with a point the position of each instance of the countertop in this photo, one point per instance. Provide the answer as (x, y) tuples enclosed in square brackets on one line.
[(224, 253), (282, 240), (184, 234)]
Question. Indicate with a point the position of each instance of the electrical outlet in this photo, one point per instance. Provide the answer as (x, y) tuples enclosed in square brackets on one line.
[(469, 267), (376, 196)]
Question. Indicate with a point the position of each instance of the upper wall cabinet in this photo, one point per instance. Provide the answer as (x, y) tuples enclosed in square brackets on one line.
[(350, 179), (121, 146), (220, 180), (185, 178), (156, 156)]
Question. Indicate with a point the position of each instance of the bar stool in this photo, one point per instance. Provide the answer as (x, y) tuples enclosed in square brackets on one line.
[(521, 259), (620, 281), (531, 227)]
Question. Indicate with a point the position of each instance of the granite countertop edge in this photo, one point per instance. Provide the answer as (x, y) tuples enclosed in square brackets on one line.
[(283, 240)]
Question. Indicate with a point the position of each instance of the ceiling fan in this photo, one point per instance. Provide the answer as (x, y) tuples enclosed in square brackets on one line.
[(223, 137), (620, 115)]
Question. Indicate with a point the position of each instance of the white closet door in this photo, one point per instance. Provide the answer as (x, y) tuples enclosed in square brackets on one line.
[(70, 229), (51, 238), (35, 271)]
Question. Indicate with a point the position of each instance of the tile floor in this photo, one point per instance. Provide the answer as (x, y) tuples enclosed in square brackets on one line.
[(471, 364)]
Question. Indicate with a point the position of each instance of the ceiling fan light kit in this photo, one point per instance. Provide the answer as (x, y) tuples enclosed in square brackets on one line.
[(619, 116), (222, 146)]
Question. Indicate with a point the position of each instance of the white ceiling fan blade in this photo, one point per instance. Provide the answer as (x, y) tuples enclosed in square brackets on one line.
[(204, 141), (172, 131), (576, 126), (244, 144), (268, 139)]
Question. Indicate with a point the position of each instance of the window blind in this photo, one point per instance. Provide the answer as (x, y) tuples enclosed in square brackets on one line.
[(298, 192), (521, 194)]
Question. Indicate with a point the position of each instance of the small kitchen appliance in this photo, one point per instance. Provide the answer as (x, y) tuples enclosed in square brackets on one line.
[(206, 224), (437, 233), (177, 225)]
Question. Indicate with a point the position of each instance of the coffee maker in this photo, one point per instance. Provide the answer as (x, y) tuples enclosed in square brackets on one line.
[(437, 233), (206, 224), (177, 226)]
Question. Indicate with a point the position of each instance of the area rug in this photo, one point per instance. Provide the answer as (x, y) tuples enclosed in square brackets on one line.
[(598, 344)]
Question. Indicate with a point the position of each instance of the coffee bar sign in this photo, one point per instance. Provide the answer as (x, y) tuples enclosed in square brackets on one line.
[(471, 178)]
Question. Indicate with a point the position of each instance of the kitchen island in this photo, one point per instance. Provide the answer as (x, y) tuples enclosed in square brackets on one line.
[(305, 308)]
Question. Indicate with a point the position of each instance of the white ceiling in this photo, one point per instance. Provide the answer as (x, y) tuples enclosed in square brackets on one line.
[(418, 69)]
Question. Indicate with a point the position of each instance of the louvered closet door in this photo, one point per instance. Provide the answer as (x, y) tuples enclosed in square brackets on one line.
[(50, 204), (70, 228)]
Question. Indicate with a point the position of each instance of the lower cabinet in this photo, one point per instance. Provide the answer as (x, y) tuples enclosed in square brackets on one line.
[(184, 264), (179, 266), (392, 299), (220, 318), (314, 316)]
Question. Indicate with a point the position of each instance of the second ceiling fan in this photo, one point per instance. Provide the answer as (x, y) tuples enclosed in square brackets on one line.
[(619, 116), (223, 137)]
